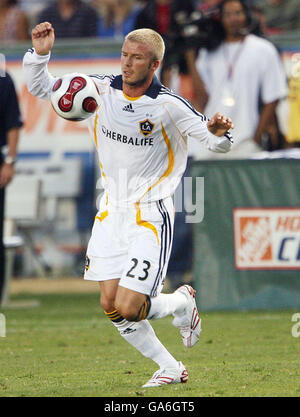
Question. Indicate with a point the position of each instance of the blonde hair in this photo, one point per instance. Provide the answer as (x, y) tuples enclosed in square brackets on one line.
[(150, 38)]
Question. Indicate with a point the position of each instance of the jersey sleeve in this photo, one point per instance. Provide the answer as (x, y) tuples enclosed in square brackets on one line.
[(192, 124), (38, 79), (40, 82), (102, 81)]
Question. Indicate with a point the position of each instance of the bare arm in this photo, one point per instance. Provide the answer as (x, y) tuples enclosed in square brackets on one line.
[(39, 81), (200, 91), (266, 119)]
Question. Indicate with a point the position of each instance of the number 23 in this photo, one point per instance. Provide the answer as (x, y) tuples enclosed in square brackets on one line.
[(135, 262)]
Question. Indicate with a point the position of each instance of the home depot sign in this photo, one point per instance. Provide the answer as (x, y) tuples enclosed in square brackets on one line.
[(267, 238)]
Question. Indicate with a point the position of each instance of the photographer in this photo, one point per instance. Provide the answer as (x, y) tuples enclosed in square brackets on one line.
[(164, 16), (243, 76)]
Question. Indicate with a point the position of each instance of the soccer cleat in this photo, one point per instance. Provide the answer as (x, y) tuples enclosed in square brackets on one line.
[(188, 323), (168, 376)]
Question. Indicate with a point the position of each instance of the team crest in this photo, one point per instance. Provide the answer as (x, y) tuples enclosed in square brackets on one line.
[(146, 127), (87, 263)]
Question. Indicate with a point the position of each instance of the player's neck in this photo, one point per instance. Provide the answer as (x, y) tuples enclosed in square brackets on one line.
[(136, 90)]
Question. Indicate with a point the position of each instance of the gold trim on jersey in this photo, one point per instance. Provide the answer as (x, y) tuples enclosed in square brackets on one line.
[(167, 172), (170, 164), (104, 213), (95, 130), (96, 143), (131, 98), (144, 223)]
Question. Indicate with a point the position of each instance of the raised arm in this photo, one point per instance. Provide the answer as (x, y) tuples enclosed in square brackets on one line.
[(39, 81), (43, 38)]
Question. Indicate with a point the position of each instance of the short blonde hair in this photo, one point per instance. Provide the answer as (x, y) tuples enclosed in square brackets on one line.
[(150, 38)]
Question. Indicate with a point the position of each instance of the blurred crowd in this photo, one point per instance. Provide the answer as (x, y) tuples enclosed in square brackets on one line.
[(217, 55), (115, 18), (196, 38)]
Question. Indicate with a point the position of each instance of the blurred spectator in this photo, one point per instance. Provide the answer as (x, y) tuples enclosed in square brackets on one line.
[(10, 124), (293, 131), (29, 6), (13, 22), (32, 8), (71, 19), (243, 78), (281, 15), (204, 5), (117, 17), (163, 16)]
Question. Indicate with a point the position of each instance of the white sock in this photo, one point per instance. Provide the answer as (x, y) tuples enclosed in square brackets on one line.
[(165, 304), (143, 338)]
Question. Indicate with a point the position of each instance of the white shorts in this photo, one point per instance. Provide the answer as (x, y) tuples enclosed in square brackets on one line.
[(133, 246)]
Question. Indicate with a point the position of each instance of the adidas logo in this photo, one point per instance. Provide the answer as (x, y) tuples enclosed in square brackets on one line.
[(128, 330), (66, 101), (128, 108)]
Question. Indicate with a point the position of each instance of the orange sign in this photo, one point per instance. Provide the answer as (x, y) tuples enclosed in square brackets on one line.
[(267, 238)]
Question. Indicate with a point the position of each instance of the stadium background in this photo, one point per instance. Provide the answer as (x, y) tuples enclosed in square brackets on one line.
[(61, 155), (58, 342)]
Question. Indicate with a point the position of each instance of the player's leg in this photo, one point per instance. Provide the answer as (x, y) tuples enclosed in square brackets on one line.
[(105, 261), (145, 273), (136, 306), (108, 291), (141, 283), (138, 333)]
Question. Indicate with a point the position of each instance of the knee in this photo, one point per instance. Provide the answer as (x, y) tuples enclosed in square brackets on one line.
[(107, 303), (126, 310), (133, 312)]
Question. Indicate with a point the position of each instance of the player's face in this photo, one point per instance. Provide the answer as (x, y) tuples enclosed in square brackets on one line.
[(137, 63), (233, 18)]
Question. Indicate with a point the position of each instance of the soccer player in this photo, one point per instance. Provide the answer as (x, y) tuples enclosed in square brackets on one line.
[(140, 131)]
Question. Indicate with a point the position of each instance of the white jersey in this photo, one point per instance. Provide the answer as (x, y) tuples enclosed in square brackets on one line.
[(141, 142)]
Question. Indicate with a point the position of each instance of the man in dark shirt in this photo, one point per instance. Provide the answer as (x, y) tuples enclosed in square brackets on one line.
[(10, 124), (71, 19)]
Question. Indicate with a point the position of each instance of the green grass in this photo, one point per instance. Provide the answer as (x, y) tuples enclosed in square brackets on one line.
[(66, 347)]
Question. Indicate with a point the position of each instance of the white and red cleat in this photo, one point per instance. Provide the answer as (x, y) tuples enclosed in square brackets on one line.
[(168, 376), (188, 322)]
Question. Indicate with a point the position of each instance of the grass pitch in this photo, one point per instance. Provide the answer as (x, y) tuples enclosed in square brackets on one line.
[(66, 347)]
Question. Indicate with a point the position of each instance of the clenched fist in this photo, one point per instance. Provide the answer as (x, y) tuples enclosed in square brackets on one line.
[(219, 124), (43, 38)]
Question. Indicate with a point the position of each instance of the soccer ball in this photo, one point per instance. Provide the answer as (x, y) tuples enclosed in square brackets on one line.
[(74, 97)]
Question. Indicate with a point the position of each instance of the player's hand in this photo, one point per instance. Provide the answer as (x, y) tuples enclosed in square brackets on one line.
[(6, 174), (43, 38), (219, 124)]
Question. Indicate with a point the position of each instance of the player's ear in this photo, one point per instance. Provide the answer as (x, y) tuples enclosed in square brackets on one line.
[(155, 64)]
